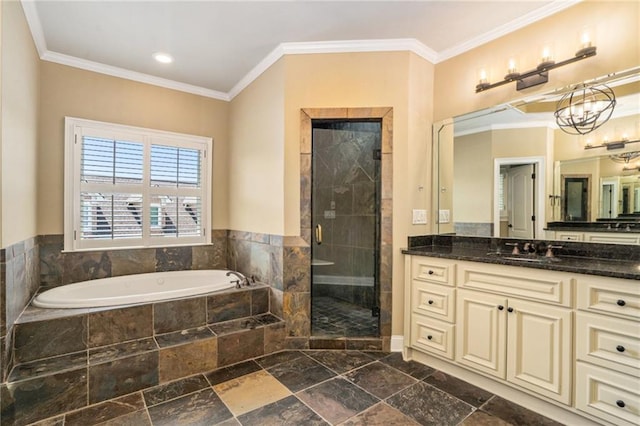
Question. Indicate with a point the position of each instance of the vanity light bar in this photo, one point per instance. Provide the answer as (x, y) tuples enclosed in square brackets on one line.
[(539, 75), (612, 145)]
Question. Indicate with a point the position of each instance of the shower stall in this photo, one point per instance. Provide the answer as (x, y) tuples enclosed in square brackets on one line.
[(345, 214)]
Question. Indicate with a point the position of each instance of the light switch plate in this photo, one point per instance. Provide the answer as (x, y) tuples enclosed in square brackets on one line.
[(419, 217), (444, 216)]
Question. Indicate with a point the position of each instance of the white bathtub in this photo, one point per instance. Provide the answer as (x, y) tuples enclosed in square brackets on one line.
[(139, 288)]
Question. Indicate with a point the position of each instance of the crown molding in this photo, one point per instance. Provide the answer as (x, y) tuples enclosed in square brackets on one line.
[(345, 46), (33, 21), (516, 24), (100, 68), (339, 46)]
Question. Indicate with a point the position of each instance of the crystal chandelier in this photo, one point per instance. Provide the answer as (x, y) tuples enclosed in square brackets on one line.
[(584, 109)]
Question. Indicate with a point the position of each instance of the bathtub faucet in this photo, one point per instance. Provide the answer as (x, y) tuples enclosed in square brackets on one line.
[(242, 280)]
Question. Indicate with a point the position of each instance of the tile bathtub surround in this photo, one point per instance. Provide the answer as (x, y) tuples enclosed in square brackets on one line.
[(19, 280), (124, 350), (58, 268), (249, 393)]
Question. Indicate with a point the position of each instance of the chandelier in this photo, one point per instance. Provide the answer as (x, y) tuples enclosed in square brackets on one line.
[(584, 109), (625, 157)]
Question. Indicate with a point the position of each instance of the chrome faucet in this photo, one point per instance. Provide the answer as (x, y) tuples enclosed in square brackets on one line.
[(242, 280)]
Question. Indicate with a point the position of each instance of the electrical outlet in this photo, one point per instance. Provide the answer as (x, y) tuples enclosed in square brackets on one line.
[(444, 216), (329, 214), (419, 217)]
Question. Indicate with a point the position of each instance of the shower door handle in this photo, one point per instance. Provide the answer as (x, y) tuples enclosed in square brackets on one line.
[(319, 234)]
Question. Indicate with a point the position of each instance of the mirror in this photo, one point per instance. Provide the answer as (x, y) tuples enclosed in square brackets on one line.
[(509, 171)]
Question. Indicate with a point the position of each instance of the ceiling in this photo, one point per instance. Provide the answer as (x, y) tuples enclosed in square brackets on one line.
[(219, 47)]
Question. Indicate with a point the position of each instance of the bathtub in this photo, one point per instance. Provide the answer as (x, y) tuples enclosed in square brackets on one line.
[(130, 289)]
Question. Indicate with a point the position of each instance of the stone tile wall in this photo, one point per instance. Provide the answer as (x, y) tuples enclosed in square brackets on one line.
[(19, 280), (58, 268)]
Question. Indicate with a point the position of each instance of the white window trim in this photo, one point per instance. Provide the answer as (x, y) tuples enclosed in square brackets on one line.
[(73, 132)]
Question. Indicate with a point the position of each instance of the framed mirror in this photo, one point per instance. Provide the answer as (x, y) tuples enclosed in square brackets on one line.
[(510, 172)]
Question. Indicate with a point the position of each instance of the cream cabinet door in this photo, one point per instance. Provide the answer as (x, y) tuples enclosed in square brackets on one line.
[(481, 332), (539, 348)]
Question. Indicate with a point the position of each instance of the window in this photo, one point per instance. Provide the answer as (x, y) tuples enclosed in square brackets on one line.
[(134, 187)]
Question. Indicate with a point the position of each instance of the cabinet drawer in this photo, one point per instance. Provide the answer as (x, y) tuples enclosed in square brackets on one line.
[(433, 300), (433, 336), (605, 238), (609, 342), (526, 283), (608, 395), (609, 295), (568, 236), (433, 271)]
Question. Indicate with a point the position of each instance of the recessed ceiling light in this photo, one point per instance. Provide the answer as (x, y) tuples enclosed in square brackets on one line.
[(163, 58)]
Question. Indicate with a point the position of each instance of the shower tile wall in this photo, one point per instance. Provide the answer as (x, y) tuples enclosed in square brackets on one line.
[(344, 185)]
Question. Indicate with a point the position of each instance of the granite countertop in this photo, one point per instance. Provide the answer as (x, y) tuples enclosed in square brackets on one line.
[(619, 227), (580, 258)]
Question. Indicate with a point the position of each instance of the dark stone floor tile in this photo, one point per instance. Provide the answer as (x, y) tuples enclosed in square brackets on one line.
[(225, 374), (120, 350), (55, 421), (229, 422), (341, 361), (412, 368), (30, 370), (430, 406), (200, 408), (380, 414), (300, 373), (337, 400), (105, 411), (163, 393), (138, 418), (516, 414), (459, 388), (379, 379), (268, 361), (31, 400), (377, 354), (480, 418), (287, 411)]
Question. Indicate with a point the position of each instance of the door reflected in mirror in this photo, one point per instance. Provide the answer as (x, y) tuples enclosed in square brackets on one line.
[(576, 198)]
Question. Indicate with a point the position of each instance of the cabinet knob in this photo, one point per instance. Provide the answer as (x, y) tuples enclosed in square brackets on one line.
[(620, 348), (500, 307), (620, 403), (621, 302), (430, 302), (429, 337), (430, 272), (509, 309)]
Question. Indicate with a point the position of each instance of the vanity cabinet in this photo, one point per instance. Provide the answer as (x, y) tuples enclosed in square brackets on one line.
[(432, 302), (597, 237), (526, 343), (608, 350)]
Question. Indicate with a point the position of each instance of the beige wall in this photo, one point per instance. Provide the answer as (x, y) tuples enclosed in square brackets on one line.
[(67, 91), (18, 139), (263, 130), (256, 155), (617, 37), (473, 178)]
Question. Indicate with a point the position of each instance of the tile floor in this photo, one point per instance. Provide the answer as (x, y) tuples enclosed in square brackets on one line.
[(336, 318), (310, 388)]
